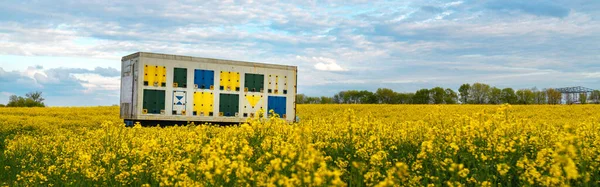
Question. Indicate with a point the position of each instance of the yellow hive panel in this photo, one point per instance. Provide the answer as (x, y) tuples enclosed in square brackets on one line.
[(252, 105), (203, 102), (155, 75), (224, 78), (149, 74), (162, 75), (230, 80), (253, 99)]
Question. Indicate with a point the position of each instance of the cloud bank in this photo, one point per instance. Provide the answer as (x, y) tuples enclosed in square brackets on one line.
[(337, 45)]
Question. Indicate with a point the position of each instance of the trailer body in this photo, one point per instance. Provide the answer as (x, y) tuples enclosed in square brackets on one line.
[(172, 89)]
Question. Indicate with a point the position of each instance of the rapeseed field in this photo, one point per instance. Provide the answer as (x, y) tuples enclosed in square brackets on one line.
[(332, 145)]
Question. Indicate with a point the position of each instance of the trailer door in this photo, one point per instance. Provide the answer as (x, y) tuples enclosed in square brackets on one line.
[(127, 82)]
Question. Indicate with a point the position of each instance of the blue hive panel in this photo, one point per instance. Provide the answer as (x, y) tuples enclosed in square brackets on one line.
[(204, 79), (277, 104)]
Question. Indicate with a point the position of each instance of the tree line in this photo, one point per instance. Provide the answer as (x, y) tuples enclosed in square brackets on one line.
[(477, 93), (31, 99), (437, 95)]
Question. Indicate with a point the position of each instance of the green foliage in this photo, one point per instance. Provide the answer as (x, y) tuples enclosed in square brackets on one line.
[(403, 98), (508, 96), (326, 100), (438, 94), (525, 96), (450, 96), (595, 97), (32, 99), (477, 93), (421, 97), (540, 97), (464, 93), (583, 98), (495, 95), (554, 96), (303, 99), (385, 95), (355, 97)]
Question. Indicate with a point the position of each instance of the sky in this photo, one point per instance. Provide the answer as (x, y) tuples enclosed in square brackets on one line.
[(71, 50)]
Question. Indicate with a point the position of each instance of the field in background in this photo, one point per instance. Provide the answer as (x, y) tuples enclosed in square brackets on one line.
[(333, 145)]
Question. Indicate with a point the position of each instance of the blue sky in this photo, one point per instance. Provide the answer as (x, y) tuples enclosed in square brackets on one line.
[(71, 50)]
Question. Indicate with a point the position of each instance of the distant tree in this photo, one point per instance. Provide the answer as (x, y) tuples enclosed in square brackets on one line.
[(450, 96), (525, 96), (437, 95), (521, 96), (35, 96), (300, 98), (464, 93), (541, 97), (351, 96), (421, 97), (385, 95), (339, 97), (508, 96), (32, 99), (554, 97), (479, 93), (313, 100), (354, 97), (2, 105), (404, 98), (14, 100), (367, 97), (326, 100), (530, 96), (595, 97), (494, 96), (583, 98)]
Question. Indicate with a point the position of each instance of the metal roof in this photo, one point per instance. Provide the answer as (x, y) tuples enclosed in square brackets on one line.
[(206, 60), (576, 89)]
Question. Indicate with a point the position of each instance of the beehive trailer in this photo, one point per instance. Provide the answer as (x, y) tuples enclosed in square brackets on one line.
[(171, 89)]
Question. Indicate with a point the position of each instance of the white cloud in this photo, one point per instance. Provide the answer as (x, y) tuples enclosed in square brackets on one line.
[(455, 3), (331, 66), (322, 63), (405, 81), (592, 75), (34, 72), (76, 83), (96, 82)]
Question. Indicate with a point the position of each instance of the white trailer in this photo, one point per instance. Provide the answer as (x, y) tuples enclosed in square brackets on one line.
[(163, 89)]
